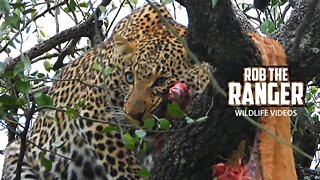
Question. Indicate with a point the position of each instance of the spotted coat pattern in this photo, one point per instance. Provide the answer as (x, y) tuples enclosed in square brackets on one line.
[(145, 58)]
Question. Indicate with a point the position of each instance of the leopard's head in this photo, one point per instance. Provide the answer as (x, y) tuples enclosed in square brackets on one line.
[(154, 65)]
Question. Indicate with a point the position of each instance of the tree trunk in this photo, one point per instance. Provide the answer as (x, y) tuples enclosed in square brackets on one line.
[(305, 67), (216, 36)]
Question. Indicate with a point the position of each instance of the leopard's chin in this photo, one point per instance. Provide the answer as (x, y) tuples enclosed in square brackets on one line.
[(159, 112)]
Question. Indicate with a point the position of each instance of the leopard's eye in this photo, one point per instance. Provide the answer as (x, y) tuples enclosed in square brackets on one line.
[(129, 77), (160, 81)]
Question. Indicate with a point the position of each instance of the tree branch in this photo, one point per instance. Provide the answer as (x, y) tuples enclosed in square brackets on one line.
[(300, 32), (85, 29), (30, 21), (81, 30), (23, 144), (301, 40)]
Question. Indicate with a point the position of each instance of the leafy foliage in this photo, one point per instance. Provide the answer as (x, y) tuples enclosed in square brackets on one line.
[(46, 163), (149, 123), (312, 102), (267, 27), (43, 99), (144, 173), (140, 133), (129, 141), (174, 110), (109, 129), (164, 123), (269, 19)]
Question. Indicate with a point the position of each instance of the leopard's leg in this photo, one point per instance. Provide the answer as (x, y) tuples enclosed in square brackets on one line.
[(12, 153)]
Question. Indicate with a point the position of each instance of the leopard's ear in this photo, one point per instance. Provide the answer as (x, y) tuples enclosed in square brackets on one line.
[(122, 47)]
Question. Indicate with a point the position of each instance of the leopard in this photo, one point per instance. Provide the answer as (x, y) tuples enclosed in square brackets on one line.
[(122, 81)]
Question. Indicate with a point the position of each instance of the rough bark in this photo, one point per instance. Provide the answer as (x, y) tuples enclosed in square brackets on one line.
[(216, 36), (306, 137), (306, 65)]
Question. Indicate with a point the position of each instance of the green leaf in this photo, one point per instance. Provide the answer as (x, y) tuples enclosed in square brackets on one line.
[(314, 89), (4, 7), (34, 73), (174, 110), (8, 74), (41, 75), (14, 21), (308, 96), (128, 141), (2, 68), (108, 70), (72, 5), (71, 113), (43, 34), (23, 86), (67, 10), (140, 133), (6, 99), (132, 2), (46, 163), (43, 99), (83, 4), (164, 2), (12, 45), (16, 5), (26, 62), (34, 13), (57, 144), (3, 27), (79, 104), (109, 129), (143, 172), (102, 9), (189, 120), (274, 2), (96, 66), (311, 107), (267, 27), (144, 147), (282, 2), (149, 123), (18, 68), (164, 123), (47, 65), (214, 3), (278, 2), (245, 7), (10, 102), (29, 11)]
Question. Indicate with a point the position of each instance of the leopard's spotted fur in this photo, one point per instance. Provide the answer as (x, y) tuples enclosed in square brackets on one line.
[(146, 58)]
